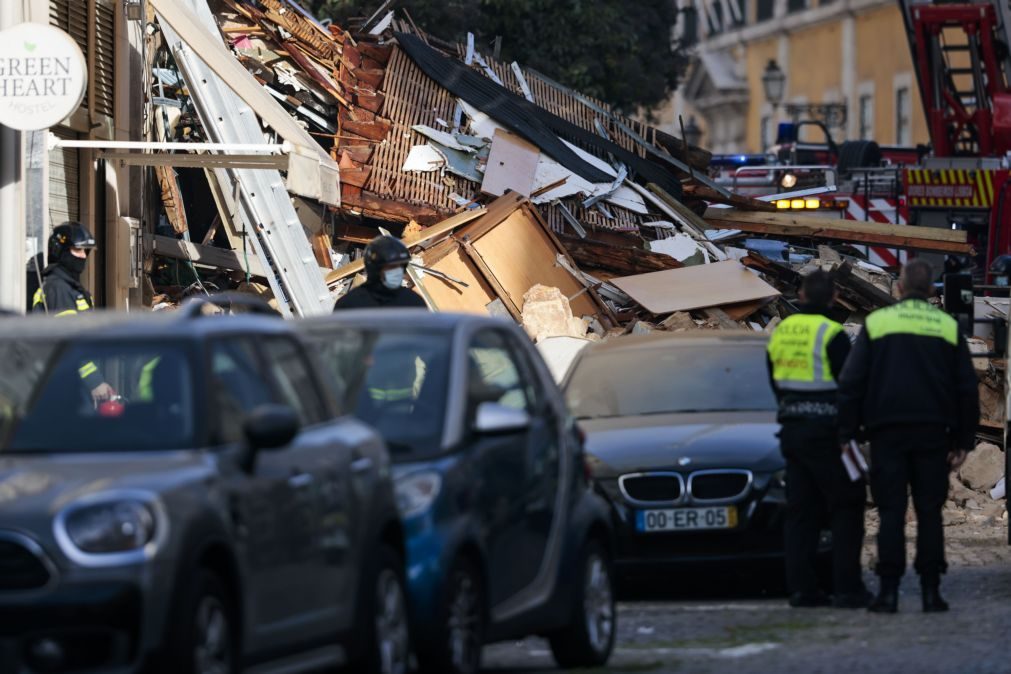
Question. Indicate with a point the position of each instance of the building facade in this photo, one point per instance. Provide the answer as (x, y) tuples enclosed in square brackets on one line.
[(851, 53), (78, 184)]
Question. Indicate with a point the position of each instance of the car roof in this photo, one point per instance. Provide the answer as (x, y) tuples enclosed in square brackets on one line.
[(674, 340), (400, 318), (147, 325)]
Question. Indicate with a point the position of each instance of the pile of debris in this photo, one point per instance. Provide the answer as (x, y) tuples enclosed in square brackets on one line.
[(518, 196), (434, 141)]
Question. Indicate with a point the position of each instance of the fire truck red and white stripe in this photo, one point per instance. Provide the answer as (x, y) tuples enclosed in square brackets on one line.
[(875, 209)]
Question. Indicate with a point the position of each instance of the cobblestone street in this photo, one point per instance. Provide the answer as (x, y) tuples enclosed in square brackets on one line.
[(740, 630)]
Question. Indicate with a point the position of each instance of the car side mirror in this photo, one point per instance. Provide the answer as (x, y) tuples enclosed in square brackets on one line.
[(270, 427), (492, 418)]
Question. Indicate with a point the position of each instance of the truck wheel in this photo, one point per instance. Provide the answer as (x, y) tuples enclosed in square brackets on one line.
[(588, 639), (203, 639), (457, 642), (386, 643)]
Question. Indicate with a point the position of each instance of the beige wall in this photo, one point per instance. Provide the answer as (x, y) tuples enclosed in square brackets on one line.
[(815, 72), (758, 55), (882, 53)]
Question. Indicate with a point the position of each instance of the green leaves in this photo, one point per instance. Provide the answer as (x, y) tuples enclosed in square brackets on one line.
[(30, 47), (615, 50)]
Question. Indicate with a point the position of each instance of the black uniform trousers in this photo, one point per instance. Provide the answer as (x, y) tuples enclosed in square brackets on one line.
[(817, 486), (908, 459)]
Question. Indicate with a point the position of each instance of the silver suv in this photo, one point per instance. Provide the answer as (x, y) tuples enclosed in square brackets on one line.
[(181, 494)]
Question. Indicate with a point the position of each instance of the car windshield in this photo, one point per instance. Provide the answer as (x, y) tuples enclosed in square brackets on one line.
[(395, 381), (680, 378), (95, 396)]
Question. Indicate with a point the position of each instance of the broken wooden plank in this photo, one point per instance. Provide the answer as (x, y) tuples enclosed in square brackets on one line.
[(171, 198), (724, 321), (742, 310), (738, 200), (394, 210), (210, 256), (625, 261), (873, 296), (430, 234), (894, 236), (376, 129)]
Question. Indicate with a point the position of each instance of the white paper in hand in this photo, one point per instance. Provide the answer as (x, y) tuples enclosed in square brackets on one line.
[(853, 460)]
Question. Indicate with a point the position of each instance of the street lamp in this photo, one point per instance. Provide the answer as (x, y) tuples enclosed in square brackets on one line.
[(774, 83), (692, 132)]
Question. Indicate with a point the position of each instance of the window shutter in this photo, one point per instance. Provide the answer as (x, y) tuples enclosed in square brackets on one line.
[(64, 181), (103, 73), (72, 17)]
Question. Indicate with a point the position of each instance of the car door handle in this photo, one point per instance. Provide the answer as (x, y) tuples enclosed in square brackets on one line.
[(362, 465), (300, 480)]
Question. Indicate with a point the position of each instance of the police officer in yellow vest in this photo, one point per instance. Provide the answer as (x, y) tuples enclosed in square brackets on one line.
[(62, 293), (806, 354), (910, 387)]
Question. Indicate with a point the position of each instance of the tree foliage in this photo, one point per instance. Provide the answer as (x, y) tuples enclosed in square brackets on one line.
[(615, 50)]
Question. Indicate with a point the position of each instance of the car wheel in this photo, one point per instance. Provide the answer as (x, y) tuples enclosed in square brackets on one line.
[(456, 646), (387, 647), (588, 639), (203, 639)]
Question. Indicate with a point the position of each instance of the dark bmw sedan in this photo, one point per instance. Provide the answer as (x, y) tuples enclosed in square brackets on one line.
[(681, 433)]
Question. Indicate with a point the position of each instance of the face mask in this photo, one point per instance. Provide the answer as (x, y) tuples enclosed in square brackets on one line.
[(393, 278), (75, 265)]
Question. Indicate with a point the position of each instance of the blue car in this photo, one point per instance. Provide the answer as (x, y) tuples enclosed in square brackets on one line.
[(505, 538)]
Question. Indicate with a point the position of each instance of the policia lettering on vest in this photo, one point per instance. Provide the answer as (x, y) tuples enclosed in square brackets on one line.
[(805, 356), (910, 388)]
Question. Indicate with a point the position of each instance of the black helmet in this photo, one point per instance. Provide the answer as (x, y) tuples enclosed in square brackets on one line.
[(383, 251), (66, 236)]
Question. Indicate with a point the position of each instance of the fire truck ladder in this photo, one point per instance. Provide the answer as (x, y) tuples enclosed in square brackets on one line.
[(960, 51)]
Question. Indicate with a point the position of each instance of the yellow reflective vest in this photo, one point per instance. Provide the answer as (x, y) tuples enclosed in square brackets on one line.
[(798, 350)]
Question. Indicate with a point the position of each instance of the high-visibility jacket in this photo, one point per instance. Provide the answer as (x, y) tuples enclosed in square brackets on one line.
[(910, 367), (798, 352)]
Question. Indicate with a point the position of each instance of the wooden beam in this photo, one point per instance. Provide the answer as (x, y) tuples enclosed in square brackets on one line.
[(893, 236), (394, 210), (624, 261), (210, 256), (441, 229), (814, 223), (709, 194)]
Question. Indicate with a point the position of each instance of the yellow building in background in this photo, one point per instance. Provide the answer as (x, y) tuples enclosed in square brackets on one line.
[(850, 52)]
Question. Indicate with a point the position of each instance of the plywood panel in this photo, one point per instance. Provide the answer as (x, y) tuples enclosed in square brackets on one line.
[(453, 297), (521, 254), (704, 285), (512, 165)]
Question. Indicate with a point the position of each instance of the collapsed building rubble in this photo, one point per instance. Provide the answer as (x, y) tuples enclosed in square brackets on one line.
[(504, 184)]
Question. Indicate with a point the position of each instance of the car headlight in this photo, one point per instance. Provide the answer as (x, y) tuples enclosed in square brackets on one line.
[(111, 528), (416, 493)]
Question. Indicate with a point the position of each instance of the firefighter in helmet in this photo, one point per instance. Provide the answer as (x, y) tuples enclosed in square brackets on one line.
[(62, 293), (386, 260)]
